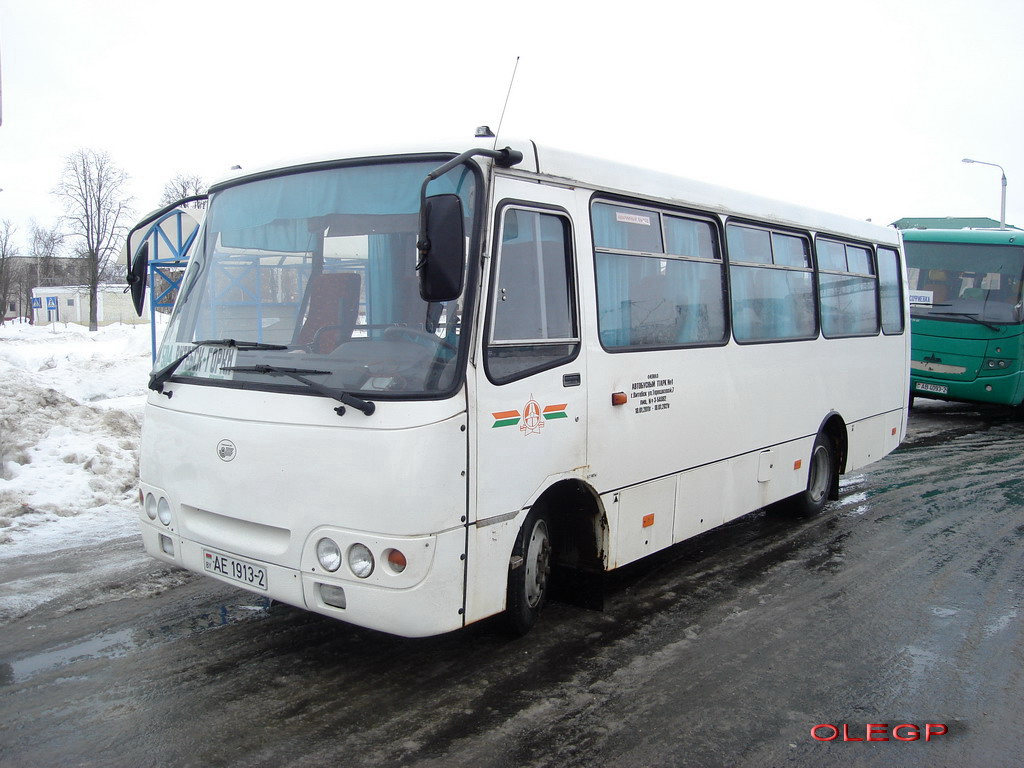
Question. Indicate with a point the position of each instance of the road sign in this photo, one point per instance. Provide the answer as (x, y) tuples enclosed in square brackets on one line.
[(51, 302), (37, 302)]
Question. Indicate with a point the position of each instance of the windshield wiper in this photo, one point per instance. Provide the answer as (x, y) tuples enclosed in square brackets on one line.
[(156, 381), (972, 316), (299, 374)]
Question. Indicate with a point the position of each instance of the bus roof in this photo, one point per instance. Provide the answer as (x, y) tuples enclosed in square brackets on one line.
[(608, 176), (978, 236), (617, 178)]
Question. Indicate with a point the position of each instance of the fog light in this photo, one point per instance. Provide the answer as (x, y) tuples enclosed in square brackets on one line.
[(167, 545), (396, 560), (360, 560), (151, 507), (332, 595), (328, 554), (163, 511)]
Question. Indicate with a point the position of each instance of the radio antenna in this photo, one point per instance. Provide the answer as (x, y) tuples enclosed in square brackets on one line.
[(501, 119)]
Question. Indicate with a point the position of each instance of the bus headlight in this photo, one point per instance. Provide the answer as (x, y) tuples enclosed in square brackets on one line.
[(994, 364), (360, 560), (329, 555), (151, 506), (163, 511)]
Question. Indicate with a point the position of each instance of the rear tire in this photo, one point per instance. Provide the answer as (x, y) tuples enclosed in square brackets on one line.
[(530, 574), (822, 476)]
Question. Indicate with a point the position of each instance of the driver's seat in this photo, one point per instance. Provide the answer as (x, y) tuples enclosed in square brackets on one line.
[(332, 311)]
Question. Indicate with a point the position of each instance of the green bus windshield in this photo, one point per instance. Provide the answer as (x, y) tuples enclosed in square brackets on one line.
[(965, 281)]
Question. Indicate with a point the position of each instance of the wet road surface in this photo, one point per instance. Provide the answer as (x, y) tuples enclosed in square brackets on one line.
[(900, 605)]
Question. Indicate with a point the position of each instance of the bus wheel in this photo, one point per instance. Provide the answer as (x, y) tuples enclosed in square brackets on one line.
[(529, 574), (821, 476)]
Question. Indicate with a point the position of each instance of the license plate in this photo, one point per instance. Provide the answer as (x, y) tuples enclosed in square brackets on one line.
[(237, 570), (936, 388)]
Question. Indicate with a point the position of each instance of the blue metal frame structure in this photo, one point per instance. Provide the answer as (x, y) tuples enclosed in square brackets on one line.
[(170, 236), (168, 251)]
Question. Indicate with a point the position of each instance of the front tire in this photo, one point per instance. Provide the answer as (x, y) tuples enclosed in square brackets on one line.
[(529, 574), (822, 476)]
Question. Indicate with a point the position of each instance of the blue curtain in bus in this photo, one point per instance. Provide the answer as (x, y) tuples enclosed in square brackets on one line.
[(273, 214), (380, 280), (612, 279), (683, 238), (392, 293)]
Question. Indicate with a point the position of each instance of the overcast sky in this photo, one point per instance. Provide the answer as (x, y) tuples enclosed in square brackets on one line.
[(863, 108)]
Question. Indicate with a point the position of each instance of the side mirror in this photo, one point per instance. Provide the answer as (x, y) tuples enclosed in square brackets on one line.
[(137, 278), (442, 249)]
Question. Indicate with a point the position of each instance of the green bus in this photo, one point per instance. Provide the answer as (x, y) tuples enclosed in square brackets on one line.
[(967, 326)]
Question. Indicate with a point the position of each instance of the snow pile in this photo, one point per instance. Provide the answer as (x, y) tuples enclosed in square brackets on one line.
[(70, 416)]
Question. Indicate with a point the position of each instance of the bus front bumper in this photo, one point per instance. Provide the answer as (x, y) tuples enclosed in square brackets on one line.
[(431, 607), (1003, 390)]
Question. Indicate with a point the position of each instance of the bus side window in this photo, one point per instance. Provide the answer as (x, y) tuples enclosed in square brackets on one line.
[(891, 290), (848, 289), (670, 295), (772, 285)]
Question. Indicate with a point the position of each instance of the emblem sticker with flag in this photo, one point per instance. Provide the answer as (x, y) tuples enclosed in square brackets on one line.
[(532, 418)]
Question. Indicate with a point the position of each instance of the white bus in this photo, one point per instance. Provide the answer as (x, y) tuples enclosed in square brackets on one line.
[(411, 390)]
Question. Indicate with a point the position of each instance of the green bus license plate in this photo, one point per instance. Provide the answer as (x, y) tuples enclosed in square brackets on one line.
[(936, 388), (236, 570)]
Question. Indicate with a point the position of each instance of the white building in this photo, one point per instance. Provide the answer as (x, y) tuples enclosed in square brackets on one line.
[(70, 304)]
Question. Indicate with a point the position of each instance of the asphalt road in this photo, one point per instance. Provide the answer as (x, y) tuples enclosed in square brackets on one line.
[(900, 605)]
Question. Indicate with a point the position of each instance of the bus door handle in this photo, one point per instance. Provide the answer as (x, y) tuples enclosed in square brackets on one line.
[(571, 380)]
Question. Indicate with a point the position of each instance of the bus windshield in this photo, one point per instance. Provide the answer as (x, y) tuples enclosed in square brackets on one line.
[(966, 282), (314, 272)]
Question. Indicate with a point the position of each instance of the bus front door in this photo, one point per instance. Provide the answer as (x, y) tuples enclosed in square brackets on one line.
[(530, 396)]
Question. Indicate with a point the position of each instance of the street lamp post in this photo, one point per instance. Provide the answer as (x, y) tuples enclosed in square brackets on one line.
[(1002, 206)]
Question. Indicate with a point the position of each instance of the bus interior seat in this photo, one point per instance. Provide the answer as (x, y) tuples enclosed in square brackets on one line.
[(333, 309), (938, 283)]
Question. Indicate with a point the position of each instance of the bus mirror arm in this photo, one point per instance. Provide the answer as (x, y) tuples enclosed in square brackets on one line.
[(440, 242), (503, 158)]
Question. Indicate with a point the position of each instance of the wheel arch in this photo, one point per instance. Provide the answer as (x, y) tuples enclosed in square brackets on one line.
[(833, 426), (581, 534)]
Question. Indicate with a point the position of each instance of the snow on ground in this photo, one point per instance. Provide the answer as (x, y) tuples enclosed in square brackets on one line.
[(70, 416)]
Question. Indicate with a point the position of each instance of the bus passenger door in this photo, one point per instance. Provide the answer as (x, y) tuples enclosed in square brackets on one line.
[(530, 399)]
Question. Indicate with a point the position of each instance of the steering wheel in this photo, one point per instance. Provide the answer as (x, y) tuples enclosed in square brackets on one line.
[(322, 340)]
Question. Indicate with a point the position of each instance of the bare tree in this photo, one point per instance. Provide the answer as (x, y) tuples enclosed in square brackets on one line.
[(184, 185), (46, 245), (8, 254), (92, 189)]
